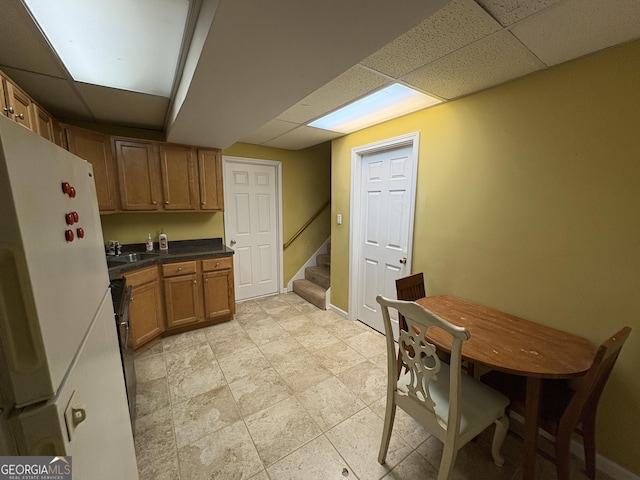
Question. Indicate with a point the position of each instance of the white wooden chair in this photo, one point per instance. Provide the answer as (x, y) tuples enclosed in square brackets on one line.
[(455, 408)]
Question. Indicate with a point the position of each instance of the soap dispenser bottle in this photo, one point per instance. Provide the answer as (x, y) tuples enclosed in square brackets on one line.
[(149, 244), (164, 244)]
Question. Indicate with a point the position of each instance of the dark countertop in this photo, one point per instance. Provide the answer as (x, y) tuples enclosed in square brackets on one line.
[(179, 250)]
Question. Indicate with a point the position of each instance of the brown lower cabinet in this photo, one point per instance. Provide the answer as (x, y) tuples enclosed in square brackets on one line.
[(219, 294), (178, 296), (146, 315), (182, 297), (198, 291)]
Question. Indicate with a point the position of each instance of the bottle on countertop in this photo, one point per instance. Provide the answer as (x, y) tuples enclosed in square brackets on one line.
[(164, 244), (149, 244)]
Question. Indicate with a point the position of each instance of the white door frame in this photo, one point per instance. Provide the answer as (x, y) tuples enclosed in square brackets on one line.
[(355, 230), (278, 197)]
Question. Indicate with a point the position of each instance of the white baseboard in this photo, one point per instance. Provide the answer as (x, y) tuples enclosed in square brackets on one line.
[(603, 464), (339, 311), (310, 263)]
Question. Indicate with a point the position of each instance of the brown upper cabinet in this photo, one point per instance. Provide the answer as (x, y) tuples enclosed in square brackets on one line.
[(138, 174), (94, 148), (157, 176), (59, 135), (178, 170), (42, 122), (210, 175), (146, 176), (15, 103)]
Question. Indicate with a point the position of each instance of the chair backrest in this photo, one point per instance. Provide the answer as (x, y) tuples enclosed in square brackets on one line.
[(590, 388), (411, 287), (420, 356)]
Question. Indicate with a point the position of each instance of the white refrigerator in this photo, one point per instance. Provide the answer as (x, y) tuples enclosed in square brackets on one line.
[(61, 384)]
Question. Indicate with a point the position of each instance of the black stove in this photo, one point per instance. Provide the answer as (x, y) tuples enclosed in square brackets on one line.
[(121, 296)]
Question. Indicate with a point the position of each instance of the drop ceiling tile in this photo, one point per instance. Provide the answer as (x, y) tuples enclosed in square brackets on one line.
[(302, 137), (123, 107), (270, 130), (21, 44), (508, 12), (579, 27), (456, 25), (351, 85), (486, 63), (56, 95)]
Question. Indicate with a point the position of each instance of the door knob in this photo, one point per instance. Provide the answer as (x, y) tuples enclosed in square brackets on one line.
[(232, 242), (403, 260)]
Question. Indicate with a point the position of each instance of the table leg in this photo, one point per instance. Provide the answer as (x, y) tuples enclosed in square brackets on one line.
[(531, 422)]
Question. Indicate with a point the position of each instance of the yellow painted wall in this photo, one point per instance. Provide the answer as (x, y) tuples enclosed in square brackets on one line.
[(306, 186), (528, 201), (134, 227)]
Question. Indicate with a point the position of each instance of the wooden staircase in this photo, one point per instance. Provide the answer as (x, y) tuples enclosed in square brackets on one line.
[(317, 280)]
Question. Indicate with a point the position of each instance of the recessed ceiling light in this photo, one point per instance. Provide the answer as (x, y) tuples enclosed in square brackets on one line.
[(126, 44), (390, 102)]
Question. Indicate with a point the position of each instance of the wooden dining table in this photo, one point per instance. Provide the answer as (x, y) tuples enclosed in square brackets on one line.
[(513, 345)]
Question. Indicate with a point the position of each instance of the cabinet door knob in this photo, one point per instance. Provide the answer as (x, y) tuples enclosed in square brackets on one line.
[(9, 110), (20, 116), (206, 280), (179, 268), (153, 202), (195, 282), (166, 202), (204, 203)]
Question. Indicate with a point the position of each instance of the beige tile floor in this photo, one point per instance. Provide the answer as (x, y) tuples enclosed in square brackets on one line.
[(286, 391)]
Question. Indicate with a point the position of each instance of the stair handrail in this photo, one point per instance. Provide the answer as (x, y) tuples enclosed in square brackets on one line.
[(309, 222)]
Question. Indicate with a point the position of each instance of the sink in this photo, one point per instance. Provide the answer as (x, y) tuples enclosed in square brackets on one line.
[(130, 258)]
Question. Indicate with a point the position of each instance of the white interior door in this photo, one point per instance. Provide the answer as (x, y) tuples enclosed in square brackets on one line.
[(252, 225), (385, 228)]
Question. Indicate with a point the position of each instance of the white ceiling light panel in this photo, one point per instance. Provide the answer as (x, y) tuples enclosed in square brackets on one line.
[(125, 44), (390, 102)]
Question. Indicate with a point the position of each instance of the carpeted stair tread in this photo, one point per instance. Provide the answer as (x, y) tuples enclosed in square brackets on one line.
[(311, 292), (318, 275), (323, 260)]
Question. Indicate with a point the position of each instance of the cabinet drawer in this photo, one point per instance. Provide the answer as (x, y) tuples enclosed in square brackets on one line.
[(141, 277), (178, 268), (219, 263)]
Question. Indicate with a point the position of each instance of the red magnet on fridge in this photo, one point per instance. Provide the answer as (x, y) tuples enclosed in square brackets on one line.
[(65, 188), (68, 234), (80, 232), (72, 192), (69, 218)]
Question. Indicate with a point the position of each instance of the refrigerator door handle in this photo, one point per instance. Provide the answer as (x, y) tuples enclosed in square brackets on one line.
[(74, 415)]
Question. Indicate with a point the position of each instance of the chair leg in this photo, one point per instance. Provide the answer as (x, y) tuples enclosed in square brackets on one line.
[(389, 417), (589, 441), (563, 456), (502, 427), (449, 455)]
